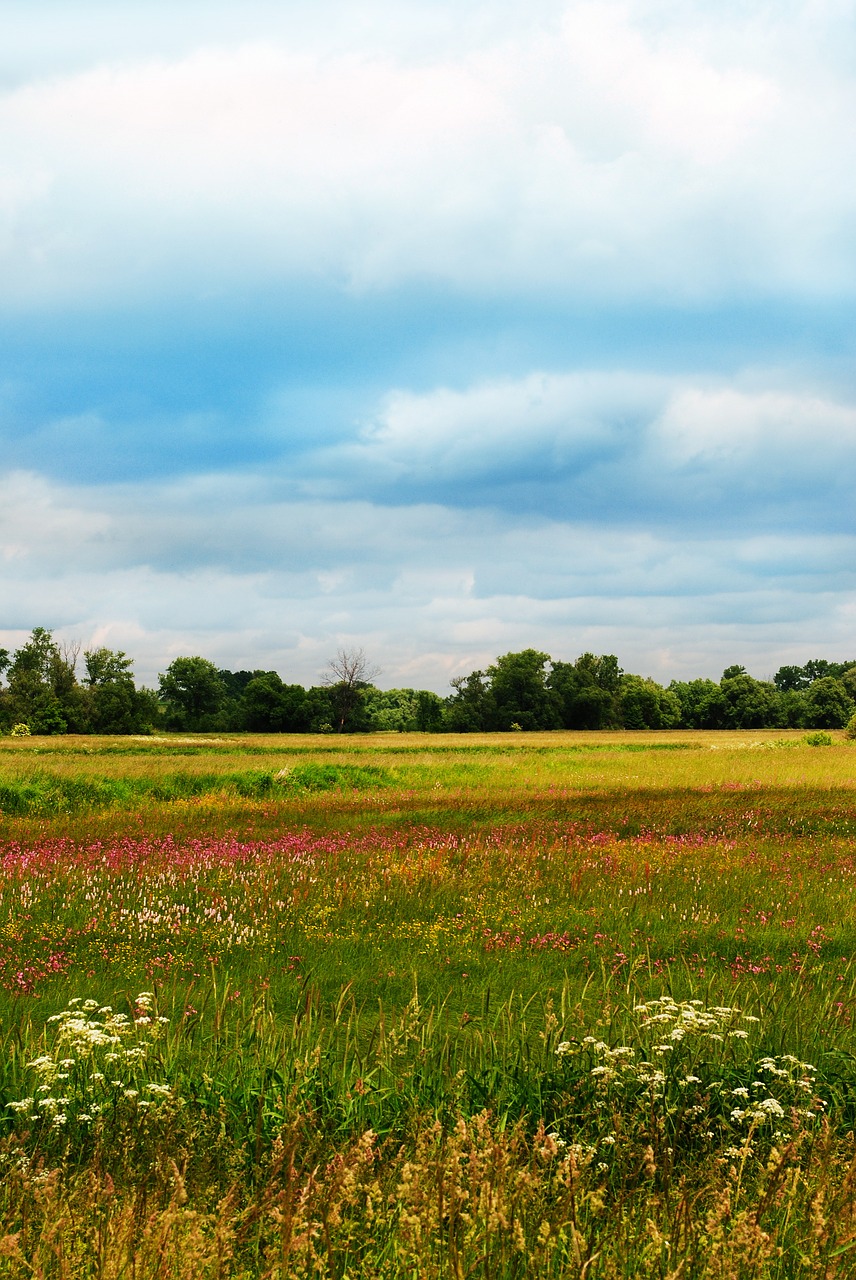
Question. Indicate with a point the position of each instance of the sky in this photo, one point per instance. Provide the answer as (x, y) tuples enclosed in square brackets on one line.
[(440, 328)]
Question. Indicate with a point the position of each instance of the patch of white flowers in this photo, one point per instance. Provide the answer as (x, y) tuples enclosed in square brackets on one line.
[(684, 1052), (99, 1059)]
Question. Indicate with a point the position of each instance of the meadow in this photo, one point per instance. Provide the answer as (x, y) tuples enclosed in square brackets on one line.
[(557, 1004)]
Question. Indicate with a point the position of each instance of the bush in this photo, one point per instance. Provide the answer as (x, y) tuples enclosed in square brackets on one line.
[(20, 731), (819, 739), (850, 731)]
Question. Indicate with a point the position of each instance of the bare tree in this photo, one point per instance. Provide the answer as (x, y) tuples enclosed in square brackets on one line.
[(346, 676)]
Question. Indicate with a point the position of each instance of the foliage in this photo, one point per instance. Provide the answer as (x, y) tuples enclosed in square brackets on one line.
[(192, 691), (644, 704), (470, 708), (269, 706), (522, 691), (42, 689), (403, 710), (829, 705), (112, 701)]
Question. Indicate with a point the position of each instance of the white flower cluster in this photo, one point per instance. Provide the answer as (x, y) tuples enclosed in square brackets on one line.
[(690, 1018), (98, 1056), (793, 1080), (693, 1042)]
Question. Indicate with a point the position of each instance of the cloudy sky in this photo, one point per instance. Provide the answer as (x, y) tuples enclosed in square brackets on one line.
[(440, 327)]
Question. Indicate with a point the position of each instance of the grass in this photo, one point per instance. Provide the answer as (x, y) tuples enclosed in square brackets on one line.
[(402, 1005)]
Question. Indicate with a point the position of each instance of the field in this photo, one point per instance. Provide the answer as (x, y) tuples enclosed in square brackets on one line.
[(401, 1006)]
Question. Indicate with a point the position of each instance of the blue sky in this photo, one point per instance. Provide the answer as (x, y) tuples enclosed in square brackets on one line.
[(439, 329)]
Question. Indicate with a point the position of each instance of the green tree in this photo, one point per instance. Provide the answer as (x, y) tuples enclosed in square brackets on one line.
[(43, 689), (748, 703), (587, 691), (520, 693), (319, 710), (702, 704), (790, 679), (470, 708), (793, 709), (429, 711), (270, 706), (828, 704), (647, 705), (403, 710), (192, 692), (113, 702)]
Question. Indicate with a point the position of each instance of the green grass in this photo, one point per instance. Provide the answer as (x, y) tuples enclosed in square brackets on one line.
[(407, 988)]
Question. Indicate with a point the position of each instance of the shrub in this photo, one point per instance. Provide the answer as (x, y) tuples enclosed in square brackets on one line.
[(819, 739), (20, 731), (850, 731)]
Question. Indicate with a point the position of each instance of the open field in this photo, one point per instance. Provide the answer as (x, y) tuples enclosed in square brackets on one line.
[(526, 1004)]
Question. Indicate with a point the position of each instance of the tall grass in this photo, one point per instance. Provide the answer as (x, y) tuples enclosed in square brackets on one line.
[(525, 1010)]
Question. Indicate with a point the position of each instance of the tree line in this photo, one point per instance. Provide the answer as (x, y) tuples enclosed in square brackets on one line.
[(52, 688)]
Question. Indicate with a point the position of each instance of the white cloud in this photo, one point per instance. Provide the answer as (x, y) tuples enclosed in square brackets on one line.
[(767, 435), (428, 591), (40, 524), (459, 436), (594, 153), (620, 448)]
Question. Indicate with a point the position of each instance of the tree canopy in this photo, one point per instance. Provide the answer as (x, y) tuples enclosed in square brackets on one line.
[(524, 690)]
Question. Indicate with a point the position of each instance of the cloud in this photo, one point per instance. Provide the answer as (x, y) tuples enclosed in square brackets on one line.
[(221, 568), (441, 329), (590, 152), (460, 439), (611, 447)]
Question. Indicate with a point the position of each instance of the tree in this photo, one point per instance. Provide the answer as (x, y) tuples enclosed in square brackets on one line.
[(269, 706), (791, 679), (106, 666), (470, 708), (43, 690), (521, 696), (403, 710), (429, 712), (347, 676), (748, 703), (828, 704), (587, 691), (113, 702), (701, 702), (192, 691), (647, 705)]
